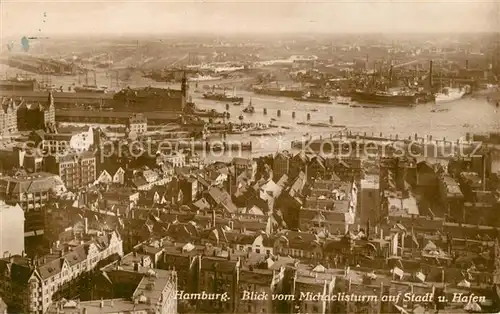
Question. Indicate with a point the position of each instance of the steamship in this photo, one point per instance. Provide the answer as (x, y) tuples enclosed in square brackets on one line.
[(278, 91), (314, 98)]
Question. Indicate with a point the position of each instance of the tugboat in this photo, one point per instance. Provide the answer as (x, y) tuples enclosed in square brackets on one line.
[(249, 108)]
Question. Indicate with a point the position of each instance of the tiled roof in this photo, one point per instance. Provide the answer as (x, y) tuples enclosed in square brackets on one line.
[(32, 183)]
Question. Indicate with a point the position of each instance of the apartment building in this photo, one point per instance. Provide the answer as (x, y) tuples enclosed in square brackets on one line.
[(75, 169), (29, 285), (32, 192)]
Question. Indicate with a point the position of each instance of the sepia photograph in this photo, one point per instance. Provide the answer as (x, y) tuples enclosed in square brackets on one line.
[(249, 156)]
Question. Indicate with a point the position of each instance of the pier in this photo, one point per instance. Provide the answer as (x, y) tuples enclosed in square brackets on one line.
[(387, 145)]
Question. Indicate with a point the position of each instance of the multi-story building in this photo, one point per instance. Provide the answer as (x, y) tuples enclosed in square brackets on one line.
[(36, 116), (11, 229), (64, 139), (133, 280), (75, 169), (23, 116), (32, 192), (8, 116), (244, 165), (219, 275), (313, 281), (175, 158), (281, 164), (369, 203), (331, 206), (34, 283), (452, 198), (137, 123)]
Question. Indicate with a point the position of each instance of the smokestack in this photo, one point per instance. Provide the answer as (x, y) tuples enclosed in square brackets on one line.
[(430, 73), (467, 64), (368, 228)]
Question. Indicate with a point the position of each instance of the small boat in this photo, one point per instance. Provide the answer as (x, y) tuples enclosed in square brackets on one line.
[(281, 127), (237, 104), (355, 106), (266, 134), (314, 110), (372, 106), (273, 119), (249, 109)]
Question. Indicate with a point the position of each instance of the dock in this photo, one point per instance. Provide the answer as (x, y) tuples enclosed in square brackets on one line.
[(206, 146)]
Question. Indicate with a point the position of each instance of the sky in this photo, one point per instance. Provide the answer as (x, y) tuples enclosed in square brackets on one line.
[(44, 18)]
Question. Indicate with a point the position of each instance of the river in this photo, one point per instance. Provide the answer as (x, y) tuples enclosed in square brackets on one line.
[(473, 115), (468, 115)]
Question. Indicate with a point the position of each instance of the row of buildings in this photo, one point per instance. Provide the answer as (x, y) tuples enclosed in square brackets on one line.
[(21, 116)]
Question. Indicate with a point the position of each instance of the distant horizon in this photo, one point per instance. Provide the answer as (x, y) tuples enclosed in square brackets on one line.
[(210, 35), (179, 17)]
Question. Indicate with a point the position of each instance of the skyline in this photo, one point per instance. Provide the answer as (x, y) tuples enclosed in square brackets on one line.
[(25, 18)]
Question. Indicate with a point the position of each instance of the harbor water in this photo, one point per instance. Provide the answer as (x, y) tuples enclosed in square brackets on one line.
[(452, 120)]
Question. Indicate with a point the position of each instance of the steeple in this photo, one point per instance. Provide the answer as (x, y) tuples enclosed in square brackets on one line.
[(184, 86), (51, 99)]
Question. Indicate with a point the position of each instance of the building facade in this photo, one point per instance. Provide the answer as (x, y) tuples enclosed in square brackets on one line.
[(11, 229), (32, 192), (75, 170), (34, 282)]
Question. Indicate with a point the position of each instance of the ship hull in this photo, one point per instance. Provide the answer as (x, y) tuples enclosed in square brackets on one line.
[(279, 93), (222, 98), (389, 100), (319, 101)]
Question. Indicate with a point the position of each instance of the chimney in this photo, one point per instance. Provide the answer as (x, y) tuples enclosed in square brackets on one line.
[(368, 228), (430, 74), (381, 234), (85, 225), (467, 64)]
